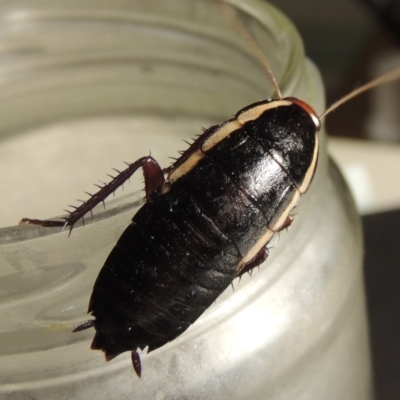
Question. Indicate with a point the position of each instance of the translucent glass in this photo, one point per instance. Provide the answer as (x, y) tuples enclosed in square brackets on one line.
[(75, 74)]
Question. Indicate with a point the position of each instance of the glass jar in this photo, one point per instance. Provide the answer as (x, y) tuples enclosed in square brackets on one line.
[(93, 82)]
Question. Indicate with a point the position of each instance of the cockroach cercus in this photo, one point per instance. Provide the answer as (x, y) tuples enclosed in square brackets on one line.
[(207, 220)]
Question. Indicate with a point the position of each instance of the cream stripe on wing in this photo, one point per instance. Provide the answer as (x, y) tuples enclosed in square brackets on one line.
[(254, 112), (220, 134), (186, 166), (310, 172)]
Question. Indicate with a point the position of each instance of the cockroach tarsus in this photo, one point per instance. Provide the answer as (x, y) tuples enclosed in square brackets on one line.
[(207, 220)]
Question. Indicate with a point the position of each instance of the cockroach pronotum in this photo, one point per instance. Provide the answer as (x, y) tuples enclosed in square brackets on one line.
[(207, 220)]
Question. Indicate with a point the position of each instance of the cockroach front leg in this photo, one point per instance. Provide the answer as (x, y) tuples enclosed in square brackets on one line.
[(153, 178)]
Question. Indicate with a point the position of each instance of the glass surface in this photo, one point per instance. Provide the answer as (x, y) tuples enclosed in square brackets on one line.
[(88, 84)]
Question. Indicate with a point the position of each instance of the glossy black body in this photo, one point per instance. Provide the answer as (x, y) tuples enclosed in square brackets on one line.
[(183, 248)]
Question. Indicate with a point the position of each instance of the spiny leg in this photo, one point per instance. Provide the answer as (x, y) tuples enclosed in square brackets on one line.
[(153, 178), (259, 258)]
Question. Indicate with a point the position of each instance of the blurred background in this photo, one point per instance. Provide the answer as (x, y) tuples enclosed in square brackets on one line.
[(352, 42)]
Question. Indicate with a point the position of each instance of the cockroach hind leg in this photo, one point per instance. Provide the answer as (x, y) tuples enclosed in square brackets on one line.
[(136, 363), (153, 177), (260, 257), (84, 325)]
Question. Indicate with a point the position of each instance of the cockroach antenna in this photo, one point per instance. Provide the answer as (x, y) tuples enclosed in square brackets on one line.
[(386, 78), (243, 31)]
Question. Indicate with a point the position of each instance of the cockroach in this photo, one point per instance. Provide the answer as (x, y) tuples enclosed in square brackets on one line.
[(207, 220)]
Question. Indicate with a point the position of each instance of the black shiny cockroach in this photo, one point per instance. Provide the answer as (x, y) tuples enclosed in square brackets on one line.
[(205, 223)]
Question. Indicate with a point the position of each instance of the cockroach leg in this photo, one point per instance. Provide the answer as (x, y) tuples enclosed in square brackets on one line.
[(261, 256), (137, 365), (153, 178), (287, 223)]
